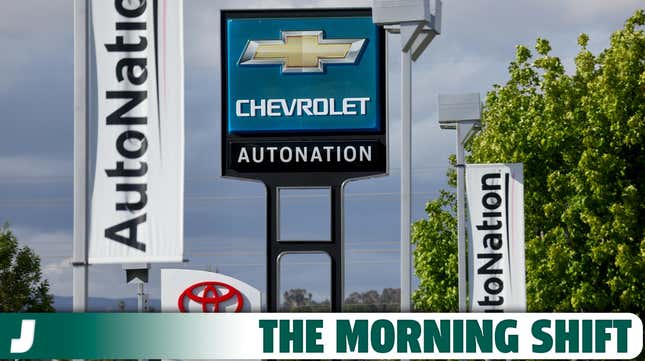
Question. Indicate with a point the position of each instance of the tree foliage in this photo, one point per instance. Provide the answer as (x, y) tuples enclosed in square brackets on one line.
[(21, 286), (435, 256), (301, 300), (581, 138), (389, 300), (297, 297)]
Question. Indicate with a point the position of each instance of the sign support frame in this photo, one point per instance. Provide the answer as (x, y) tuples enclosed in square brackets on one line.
[(334, 248)]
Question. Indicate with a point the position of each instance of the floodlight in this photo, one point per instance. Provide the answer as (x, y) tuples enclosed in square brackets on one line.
[(385, 12), (456, 108)]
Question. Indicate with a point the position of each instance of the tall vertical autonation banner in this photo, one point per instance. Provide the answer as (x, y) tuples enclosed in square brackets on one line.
[(495, 194), (137, 198)]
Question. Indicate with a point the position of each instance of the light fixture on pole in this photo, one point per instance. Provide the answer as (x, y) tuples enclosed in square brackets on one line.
[(418, 24), (138, 273), (461, 112)]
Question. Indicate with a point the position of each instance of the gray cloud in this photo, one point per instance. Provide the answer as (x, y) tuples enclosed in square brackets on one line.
[(33, 33), (477, 42), (26, 167)]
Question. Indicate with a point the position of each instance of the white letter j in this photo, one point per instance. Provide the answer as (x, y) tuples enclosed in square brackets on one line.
[(26, 340)]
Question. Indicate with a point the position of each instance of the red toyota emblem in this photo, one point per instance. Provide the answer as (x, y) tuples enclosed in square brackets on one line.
[(208, 294)]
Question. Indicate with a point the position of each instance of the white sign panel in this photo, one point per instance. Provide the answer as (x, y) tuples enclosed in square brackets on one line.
[(137, 196), (495, 195), (201, 291)]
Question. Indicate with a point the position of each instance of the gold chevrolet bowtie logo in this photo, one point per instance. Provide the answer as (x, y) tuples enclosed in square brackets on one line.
[(302, 51)]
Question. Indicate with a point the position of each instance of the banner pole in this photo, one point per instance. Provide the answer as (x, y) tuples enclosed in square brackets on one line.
[(406, 166), (79, 257), (461, 220), (461, 112)]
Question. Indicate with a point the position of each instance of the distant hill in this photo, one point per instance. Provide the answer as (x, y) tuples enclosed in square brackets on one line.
[(100, 304)]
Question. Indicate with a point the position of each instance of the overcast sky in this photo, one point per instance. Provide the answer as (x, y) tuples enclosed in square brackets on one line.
[(224, 219)]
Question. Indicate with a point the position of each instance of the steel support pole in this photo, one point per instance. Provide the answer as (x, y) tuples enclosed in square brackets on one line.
[(79, 257), (140, 297), (406, 169), (461, 219), (336, 259), (140, 302), (273, 271)]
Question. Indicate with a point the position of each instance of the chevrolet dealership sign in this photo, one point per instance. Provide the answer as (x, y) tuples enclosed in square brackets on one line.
[(303, 92)]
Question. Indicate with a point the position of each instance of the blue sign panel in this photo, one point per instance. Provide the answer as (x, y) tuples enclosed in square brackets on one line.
[(308, 74), (303, 96)]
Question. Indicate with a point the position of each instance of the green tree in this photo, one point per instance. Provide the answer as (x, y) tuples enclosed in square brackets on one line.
[(21, 286), (435, 256), (389, 300), (581, 138), (296, 297)]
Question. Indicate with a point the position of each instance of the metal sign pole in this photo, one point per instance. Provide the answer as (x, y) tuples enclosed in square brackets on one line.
[(417, 26), (462, 113), (461, 220), (138, 273), (336, 254), (406, 165), (79, 257), (141, 298), (273, 271)]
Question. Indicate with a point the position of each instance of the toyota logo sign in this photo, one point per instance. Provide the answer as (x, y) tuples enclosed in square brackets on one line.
[(212, 296)]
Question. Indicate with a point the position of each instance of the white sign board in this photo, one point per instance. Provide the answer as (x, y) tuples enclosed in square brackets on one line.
[(497, 280), (202, 291), (137, 196)]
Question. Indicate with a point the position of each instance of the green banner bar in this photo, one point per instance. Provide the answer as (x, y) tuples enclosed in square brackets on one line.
[(109, 335), (317, 336)]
